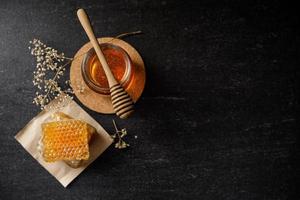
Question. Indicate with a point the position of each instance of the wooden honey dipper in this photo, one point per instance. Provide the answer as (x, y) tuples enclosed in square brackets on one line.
[(121, 101)]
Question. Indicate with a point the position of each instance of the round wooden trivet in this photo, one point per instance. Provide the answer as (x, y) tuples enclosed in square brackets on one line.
[(99, 102)]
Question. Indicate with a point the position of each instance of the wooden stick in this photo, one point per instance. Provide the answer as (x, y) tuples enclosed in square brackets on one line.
[(121, 101)]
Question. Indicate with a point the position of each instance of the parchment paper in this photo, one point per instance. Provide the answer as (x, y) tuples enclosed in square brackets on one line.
[(29, 137)]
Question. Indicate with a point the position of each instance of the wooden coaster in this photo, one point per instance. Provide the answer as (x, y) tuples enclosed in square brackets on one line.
[(99, 102)]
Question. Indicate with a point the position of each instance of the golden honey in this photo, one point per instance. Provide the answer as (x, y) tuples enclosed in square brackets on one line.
[(118, 61), (115, 61)]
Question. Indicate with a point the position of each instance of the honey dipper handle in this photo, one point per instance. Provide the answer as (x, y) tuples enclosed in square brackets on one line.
[(85, 22), (121, 101)]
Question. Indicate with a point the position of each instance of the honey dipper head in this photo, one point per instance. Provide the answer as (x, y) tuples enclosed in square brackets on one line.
[(121, 101)]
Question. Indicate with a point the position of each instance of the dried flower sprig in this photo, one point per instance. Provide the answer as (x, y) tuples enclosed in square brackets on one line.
[(120, 144), (50, 67)]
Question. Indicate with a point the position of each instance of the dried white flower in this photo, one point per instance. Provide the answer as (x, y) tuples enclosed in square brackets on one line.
[(78, 86), (50, 67)]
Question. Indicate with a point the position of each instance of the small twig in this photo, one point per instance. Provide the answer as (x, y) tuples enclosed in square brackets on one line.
[(125, 35), (120, 144), (128, 34), (115, 125)]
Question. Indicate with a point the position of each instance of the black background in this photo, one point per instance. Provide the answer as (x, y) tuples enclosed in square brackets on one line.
[(217, 117)]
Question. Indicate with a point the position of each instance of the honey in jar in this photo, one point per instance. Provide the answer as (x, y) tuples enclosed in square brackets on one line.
[(118, 61)]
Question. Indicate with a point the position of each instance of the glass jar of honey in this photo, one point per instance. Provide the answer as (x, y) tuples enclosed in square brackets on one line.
[(117, 59)]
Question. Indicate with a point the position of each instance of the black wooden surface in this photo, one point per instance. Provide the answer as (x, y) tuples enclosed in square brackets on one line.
[(216, 119)]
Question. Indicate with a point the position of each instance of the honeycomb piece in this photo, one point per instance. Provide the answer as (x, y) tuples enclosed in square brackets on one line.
[(65, 140), (59, 116)]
